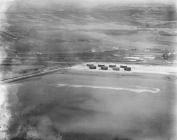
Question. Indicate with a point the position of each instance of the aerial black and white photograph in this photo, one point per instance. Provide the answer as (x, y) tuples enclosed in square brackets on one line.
[(88, 70)]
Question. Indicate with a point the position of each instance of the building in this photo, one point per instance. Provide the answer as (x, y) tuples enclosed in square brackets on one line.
[(101, 65), (123, 66), (92, 67), (104, 68), (112, 65), (127, 69), (116, 68)]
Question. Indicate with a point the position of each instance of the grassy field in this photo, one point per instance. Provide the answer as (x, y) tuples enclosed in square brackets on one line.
[(122, 106), (76, 33)]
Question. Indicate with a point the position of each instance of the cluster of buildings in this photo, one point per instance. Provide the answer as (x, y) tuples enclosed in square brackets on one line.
[(111, 66)]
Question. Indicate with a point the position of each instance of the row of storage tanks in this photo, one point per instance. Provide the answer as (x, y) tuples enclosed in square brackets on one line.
[(112, 66)]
